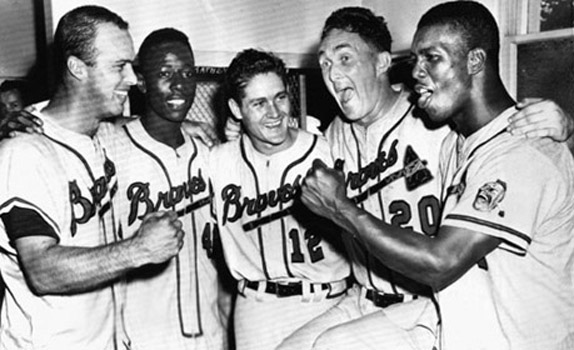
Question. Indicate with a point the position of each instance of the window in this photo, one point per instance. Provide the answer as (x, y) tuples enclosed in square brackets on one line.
[(541, 50)]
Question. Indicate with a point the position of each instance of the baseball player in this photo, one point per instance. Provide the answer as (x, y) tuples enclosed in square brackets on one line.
[(287, 272), (391, 161), (61, 255), (505, 237), (160, 167)]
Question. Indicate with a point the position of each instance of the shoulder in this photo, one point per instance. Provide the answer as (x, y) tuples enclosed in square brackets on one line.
[(25, 146)]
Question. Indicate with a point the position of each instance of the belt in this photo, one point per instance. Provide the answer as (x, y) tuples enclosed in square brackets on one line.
[(296, 288), (386, 299)]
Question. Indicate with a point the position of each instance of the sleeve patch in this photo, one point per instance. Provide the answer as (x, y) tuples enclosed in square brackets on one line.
[(489, 196)]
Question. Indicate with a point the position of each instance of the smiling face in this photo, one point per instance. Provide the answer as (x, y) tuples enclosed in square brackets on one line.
[(443, 82), (349, 68), (169, 81), (264, 110), (111, 75)]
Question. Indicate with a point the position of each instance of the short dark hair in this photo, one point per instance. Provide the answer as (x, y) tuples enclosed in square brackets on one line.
[(246, 65), (472, 21), (159, 37), (9, 85), (76, 33), (362, 21)]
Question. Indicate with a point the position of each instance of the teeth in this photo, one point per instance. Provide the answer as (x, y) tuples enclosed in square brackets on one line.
[(121, 92), (176, 102)]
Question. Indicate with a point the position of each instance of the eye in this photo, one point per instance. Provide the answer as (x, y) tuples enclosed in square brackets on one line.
[(324, 64), (432, 57), (282, 97), (188, 74), (165, 74), (258, 104)]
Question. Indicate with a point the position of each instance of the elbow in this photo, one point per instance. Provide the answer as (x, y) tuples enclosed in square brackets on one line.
[(441, 273), (40, 286)]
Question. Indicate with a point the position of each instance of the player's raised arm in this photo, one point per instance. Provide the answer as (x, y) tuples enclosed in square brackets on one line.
[(52, 268)]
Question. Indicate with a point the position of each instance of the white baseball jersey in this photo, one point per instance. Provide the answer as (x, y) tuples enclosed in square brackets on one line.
[(171, 305), (265, 233), (522, 192), (391, 170), (67, 179)]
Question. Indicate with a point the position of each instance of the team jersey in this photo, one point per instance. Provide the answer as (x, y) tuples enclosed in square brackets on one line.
[(171, 305), (266, 233), (391, 170), (68, 180), (521, 192)]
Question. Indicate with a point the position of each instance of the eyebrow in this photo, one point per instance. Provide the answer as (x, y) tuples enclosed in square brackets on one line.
[(337, 48)]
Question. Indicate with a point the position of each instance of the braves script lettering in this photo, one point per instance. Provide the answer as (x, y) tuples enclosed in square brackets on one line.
[(97, 193), (234, 206), (139, 193), (88, 207), (384, 161)]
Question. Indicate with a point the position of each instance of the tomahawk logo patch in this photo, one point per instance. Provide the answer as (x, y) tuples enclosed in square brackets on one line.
[(490, 195)]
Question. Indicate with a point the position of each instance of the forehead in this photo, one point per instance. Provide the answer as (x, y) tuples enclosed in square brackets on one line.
[(9, 96), (113, 43), (263, 85), (437, 37), (170, 53), (338, 39)]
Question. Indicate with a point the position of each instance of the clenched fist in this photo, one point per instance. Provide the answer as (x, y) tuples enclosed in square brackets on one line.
[(159, 238)]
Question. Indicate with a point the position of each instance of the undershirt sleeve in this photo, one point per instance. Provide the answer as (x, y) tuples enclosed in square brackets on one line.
[(21, 222)]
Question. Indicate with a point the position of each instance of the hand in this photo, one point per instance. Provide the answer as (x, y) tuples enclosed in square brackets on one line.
[(20, 121), (323, 190), (201, 130), (159, 237), (232, 129), (541, 118)]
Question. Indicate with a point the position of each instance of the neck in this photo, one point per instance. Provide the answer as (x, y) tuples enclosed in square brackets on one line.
[(73, 111), (387, 99), (486, 104), (163, 131)]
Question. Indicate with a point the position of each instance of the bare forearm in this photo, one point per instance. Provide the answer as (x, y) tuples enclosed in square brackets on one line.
[(67, 270), (402, 250)]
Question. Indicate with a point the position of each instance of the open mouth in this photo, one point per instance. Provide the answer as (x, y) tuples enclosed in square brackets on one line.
[(122, 94), (176, 103), (424, 96), (274, 124), (344, 94)]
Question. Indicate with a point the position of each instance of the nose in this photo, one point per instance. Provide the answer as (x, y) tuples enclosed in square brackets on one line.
[(418, 72), (129, 75), (273, 110), (334, 73)]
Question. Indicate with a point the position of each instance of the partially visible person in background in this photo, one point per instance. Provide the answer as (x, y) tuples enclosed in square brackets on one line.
[(12, 97)]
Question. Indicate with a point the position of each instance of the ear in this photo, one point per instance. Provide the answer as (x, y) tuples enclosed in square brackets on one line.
[(384, 61), (234, 107), (76, 67), (476, 61), (141, 83)]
